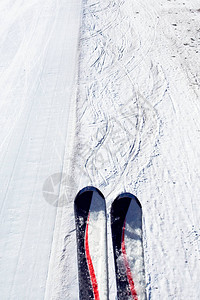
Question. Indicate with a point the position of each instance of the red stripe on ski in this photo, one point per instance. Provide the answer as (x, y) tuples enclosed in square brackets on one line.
[(128, 270), (90, 264)]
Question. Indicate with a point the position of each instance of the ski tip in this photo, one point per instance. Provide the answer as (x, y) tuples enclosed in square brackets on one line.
[(85, 197), (128, 196), (89, 189)]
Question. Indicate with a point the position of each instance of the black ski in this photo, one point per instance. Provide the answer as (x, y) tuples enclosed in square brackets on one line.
[(126, 227), (91, 232)]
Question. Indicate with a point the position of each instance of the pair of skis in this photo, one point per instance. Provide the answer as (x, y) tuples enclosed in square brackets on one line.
[(91, 232)]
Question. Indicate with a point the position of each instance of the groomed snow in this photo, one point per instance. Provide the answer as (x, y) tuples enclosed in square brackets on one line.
[(136, 107), (38, 57)]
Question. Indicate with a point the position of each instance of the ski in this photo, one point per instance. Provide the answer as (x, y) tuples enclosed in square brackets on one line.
[(126, 227), (91, 233)]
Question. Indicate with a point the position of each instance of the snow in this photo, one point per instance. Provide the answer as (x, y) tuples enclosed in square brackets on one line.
[(38, 42), (132, 126)]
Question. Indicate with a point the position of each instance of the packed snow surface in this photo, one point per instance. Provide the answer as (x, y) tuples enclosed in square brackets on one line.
[(38, 54), (134, 127)]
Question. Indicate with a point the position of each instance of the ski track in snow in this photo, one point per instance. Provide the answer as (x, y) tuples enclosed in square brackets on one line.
[(137, 131)]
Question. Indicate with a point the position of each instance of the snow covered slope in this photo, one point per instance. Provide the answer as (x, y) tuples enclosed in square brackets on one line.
[(138, 131), (38, 54)]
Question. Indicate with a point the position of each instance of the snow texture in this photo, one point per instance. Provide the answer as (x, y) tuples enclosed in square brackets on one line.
[(135, 115), (137, 131), (38, 54)]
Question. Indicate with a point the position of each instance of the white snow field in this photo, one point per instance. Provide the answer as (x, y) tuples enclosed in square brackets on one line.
[(135, 112), (38, 57), (138, 130)]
